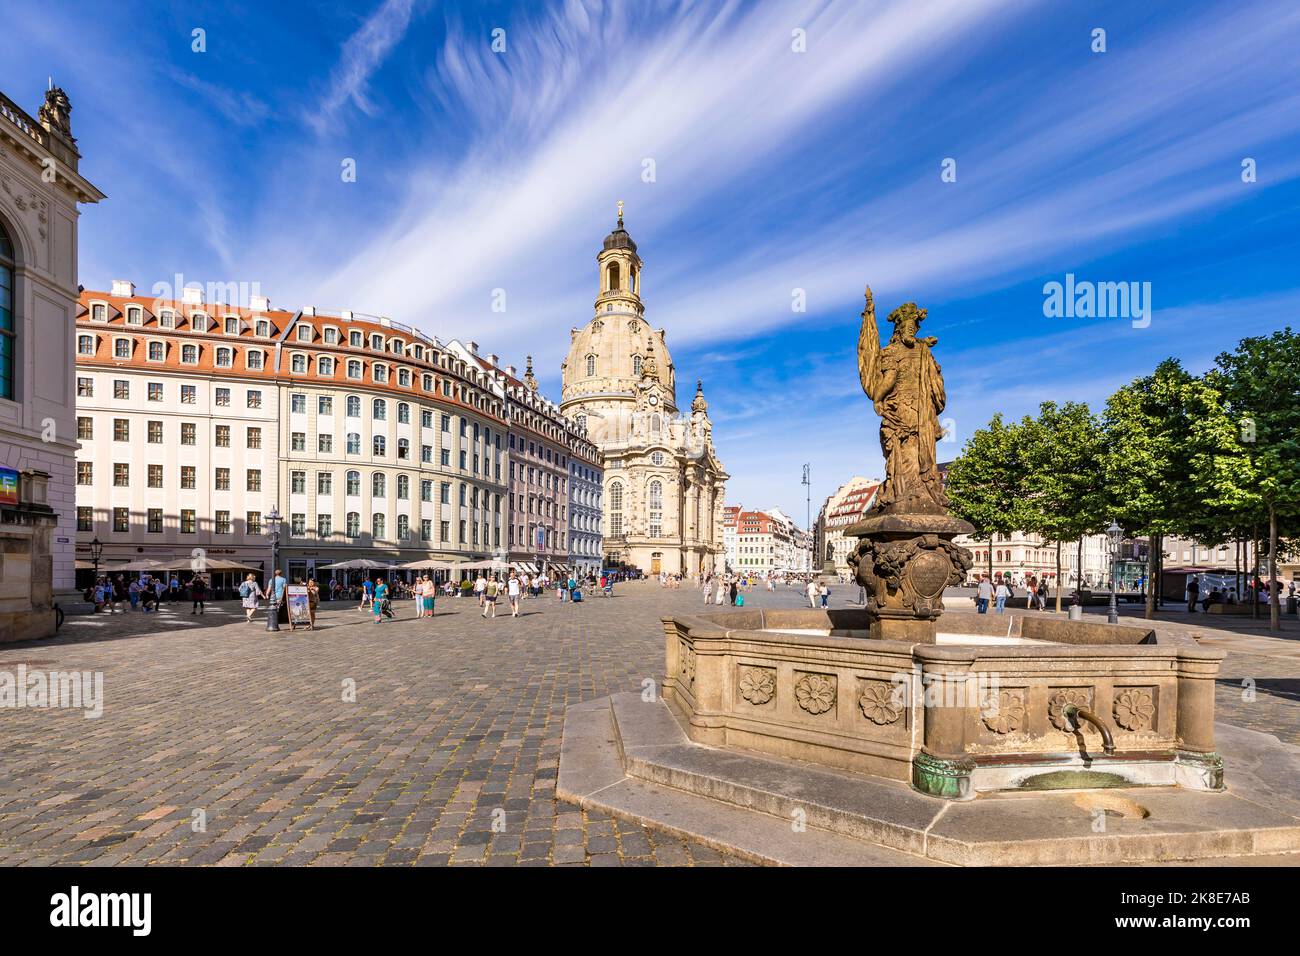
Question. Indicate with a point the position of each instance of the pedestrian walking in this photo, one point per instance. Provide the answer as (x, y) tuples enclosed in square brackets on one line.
[(513, 589), (811, 591), (480, 589), (1193, 594), (1002, 593), (250, 592), (198, 594), (490, 589), (313, 599)]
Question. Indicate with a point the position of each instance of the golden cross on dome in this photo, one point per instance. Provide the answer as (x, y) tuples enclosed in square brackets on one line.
[(620, 210)]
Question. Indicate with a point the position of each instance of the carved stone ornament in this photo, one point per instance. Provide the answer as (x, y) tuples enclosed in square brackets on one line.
[(1078, 696), (1134, 708), (757, 684), (879, 702), (1005, 712), (815, 693)]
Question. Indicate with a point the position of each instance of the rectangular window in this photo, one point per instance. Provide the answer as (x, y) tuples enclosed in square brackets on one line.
[(155, 391), (298, 403), (85, 388), (189, 433), (223, 398), (85, 519), (298, 441), (325, 444), (121, 475), (254, 438), (254, 479), (155, 521), (222, 436), (221, 525), (221, 479), (324, 527), (324, 405), (324, 482), (426, 454), (121, 519), (297, 482), (189, 523), (254, 398), (253, 522), (426, 490), (188, 478), (297, 524), (155, 476), (154, 432), (85, 473), (444, 531), (85, 428), (189, 394), (445, 494), (121, 389)]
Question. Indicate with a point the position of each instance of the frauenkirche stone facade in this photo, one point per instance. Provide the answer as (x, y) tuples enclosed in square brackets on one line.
[(664, 484)]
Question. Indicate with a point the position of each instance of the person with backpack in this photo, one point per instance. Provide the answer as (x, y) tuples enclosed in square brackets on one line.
[(249, 594), (1043, 591), (380, 602), (198, 594)]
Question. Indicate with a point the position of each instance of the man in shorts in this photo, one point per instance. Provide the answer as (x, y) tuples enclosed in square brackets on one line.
[(513, 588), (489, 596)]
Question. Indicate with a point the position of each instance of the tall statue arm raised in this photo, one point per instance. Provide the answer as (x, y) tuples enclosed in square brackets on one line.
[(869, 350)]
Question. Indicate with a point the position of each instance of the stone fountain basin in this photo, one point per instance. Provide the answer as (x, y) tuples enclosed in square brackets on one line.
[(980, 710)]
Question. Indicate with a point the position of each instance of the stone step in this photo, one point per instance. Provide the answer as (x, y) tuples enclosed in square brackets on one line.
[(592, 776), (637, 757)]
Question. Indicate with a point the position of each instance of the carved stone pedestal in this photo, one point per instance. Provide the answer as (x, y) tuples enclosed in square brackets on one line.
[(905, 561)]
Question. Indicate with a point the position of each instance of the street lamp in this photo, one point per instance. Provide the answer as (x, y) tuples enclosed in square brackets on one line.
[(96, 552), (273, 519), (1114, 532)]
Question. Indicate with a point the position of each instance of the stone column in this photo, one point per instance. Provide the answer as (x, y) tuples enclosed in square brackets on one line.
[(1197, 765), (942, 767)]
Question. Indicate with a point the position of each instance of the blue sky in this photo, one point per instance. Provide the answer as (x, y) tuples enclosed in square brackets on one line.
[(774, 170)]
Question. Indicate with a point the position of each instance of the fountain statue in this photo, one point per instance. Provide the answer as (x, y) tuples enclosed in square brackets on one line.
[(905, 555)]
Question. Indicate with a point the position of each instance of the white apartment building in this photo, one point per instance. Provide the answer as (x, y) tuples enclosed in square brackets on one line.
[(840, 511), (372, 439)]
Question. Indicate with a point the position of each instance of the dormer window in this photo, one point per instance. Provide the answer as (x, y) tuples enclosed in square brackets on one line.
[(355, 339), (99, 312), (157, 351), (298, 363), (354, 368), (262, 328), (426, 382), (134, 315), (331, 335), (199, 321), (190, 354), (396, 347), (325, 366), (304, 333), (404, 377), (377, 342), (380, 372), (225, 357), (417, 351), (253, 359), (232, 325), (122, 348), (167, 319)]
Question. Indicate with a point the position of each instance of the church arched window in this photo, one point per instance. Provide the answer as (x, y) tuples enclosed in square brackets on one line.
[(636, 365), (656, 494), (591, 365), (616, 496), (613, 274)]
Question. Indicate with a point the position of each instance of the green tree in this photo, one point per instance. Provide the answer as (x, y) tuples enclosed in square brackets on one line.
[(1166, 435), (1065, 490), (986, 482), (1260, 383)]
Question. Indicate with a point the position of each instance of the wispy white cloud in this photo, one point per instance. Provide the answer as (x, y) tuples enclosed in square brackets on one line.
[(363, 53)]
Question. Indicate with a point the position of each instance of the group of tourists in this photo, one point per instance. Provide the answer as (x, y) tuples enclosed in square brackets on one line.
[(145, 593), (489, 589), (1000, 590)]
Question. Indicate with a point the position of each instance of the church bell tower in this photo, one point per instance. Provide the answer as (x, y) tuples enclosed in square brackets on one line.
[(620, 272)]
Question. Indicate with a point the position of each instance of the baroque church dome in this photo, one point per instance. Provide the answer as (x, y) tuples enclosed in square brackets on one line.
[(607, 356)]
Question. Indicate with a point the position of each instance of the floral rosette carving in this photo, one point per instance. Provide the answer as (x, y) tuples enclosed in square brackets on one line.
[(757, 685), (815, 693), (1134, 709), (1004, 713), (879, 702), (1060, 700)]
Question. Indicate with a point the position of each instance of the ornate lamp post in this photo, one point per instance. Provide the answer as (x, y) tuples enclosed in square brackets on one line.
[(96, 552), (273, 519), (1115, 533)]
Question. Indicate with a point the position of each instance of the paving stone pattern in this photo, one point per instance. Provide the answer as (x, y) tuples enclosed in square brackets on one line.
[(221, 744)]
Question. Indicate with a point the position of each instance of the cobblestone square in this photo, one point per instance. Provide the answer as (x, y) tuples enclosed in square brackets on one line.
[(447, 756)]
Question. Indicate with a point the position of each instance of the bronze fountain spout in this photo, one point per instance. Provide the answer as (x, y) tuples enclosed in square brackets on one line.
[(1074, 713)]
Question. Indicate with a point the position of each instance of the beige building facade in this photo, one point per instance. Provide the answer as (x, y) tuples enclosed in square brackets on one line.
[(40, 192), (663, 483)]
